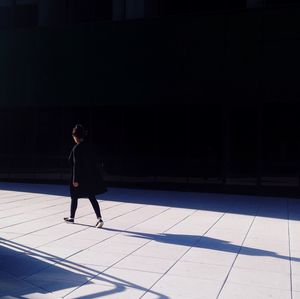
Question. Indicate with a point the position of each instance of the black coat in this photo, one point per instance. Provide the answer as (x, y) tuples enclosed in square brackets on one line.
[(86, 171)]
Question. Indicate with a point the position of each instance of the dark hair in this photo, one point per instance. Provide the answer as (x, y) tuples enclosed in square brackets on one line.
[(79, 131)]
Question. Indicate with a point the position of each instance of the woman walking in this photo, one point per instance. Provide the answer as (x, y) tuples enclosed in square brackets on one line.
[(86, 179)]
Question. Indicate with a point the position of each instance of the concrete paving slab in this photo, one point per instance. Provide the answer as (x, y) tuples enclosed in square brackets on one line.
[(154, 244), (260, 278), (238, 291), (296, 295)]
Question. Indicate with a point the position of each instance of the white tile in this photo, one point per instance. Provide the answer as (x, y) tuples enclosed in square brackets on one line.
[(89, 257), (262, 261), (295, 262), (111, 247), (296, 283), (128, 237), (30, 293), (34, 240), (131, 278), (209, 256), (55, 252), (148, 264), (295, 243), (199, 271), (238, 291), (58, 288), (181, 243), (260, 278), (218, 245), (72, 242), (178, 287), (235, 236), (296, 295), (106, 290), (94, 234), (160, 250), (264, 243)]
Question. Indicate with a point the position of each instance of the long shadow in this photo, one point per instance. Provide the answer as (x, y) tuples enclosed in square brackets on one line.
[(23, 262), (19, 263), (204, 242), (273, 207)]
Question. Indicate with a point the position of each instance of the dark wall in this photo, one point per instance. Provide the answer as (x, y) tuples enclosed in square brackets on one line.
[(249, 55), (206, 96)]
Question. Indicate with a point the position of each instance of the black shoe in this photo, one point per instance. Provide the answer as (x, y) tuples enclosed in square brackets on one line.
[(99, 224), (69, 220)]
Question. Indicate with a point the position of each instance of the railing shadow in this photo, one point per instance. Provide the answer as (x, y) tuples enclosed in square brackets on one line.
[(22, 262)]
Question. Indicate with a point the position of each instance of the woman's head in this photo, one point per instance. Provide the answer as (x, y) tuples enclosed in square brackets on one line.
[(78, 133)]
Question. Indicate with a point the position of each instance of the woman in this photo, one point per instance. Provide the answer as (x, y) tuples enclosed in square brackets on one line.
[(86, 179)]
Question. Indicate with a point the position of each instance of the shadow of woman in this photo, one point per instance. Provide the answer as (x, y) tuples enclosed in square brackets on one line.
[(205, 242)]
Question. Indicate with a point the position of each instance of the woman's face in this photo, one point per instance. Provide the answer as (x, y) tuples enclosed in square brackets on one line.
[(76, 139)]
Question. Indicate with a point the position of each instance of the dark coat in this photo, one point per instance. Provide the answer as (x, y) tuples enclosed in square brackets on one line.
[(86, 170)]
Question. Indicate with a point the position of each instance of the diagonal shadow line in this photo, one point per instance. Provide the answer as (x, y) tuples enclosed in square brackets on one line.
[(121, 286), (204, 242)]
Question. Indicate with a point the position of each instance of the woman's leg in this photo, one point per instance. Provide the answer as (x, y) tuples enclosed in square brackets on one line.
[(95, 205), (74, 204)]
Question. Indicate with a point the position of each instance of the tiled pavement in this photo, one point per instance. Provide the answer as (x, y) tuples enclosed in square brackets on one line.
[(155, 244)]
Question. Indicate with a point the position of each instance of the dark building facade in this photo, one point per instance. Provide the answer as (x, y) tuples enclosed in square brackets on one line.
[(171, 92)]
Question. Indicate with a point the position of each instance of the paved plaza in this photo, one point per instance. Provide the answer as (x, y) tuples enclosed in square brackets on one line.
[(154, 244)]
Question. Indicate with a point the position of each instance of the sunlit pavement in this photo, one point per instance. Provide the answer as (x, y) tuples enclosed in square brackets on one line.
[(154, 244)]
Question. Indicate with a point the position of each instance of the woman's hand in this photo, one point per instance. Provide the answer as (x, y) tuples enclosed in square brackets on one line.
[(75, 184)]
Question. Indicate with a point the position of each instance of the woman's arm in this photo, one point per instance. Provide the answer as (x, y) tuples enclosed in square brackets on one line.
[(77, 166)]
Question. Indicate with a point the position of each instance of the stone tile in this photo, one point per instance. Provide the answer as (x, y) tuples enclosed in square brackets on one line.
[(178, 244), (111, 247), (295, 262), (30, 293), (147, 264), (209, 256), (141, 280), (34, 240), (72, 242), (296, 295), (128, 237), (68, 271), (8, 285), (264, 243), (199, 271), (179, 287), (90, 257), (260, 260), (237, 291), (6, 275), (56, 252), (8, 235), (260, 278), (296, 283), (106, 290), (235, 236), (22, 265), (160, 250), (58, 288)]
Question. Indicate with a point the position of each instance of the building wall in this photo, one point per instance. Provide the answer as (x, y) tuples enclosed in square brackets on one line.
[(210, 96)]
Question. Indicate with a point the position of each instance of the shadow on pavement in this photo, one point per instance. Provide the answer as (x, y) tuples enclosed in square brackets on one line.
[(22, 273), (273, 207), (204, 242)]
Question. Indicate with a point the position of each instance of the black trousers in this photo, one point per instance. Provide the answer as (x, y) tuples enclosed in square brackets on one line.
[(93, 200)]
